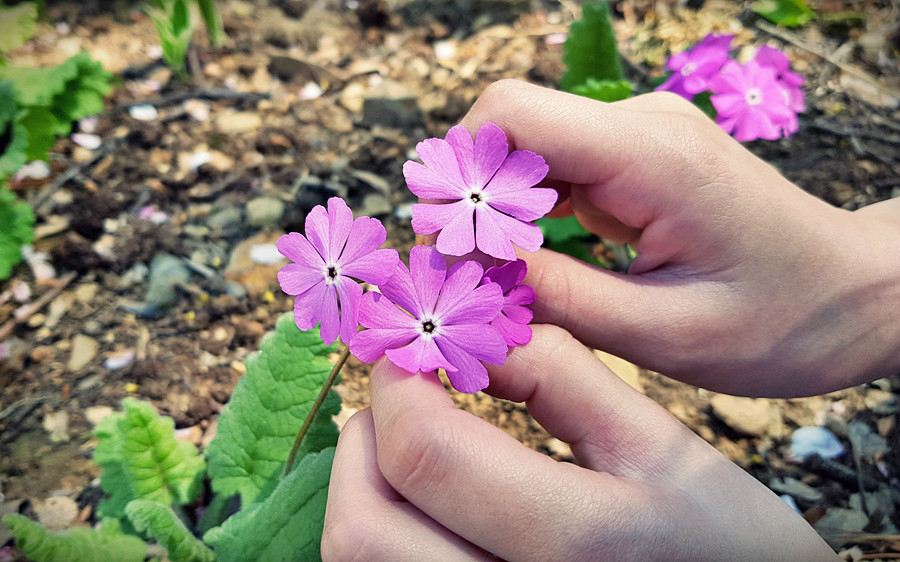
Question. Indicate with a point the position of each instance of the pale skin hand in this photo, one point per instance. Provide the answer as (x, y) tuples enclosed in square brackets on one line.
[(416, 479), (743, 283)]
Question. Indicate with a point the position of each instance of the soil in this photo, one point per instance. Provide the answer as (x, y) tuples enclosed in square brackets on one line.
[(285, 120)]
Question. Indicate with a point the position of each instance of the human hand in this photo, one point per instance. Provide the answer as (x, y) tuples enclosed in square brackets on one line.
[(416, 479), (743, 282)]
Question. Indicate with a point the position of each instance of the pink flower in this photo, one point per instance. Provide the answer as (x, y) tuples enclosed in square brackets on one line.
[(750, 103), (335, 251), (485, 193), (514, 316), (790, 82), (443, 324), (693, 69)]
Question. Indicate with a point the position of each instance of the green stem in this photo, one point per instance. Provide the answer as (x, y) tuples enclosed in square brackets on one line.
[(314, 411)]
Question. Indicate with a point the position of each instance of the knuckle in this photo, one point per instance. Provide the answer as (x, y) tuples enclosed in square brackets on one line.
[(348, 537), (414, 456)]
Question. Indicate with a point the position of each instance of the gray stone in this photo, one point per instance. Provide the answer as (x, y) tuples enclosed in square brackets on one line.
[(752, 416), (226, 219), (390, 104), (264, 212), (796, 489), (166, 273), (843, 519), (375, 205)]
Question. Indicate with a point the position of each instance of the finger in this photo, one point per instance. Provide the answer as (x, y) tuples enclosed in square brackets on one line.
[(576, 398), (480, 482), (365, 519)]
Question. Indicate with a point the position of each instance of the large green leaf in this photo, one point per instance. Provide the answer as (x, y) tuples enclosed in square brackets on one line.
[(789, 13), (560, 230), (590, 50), (160, 522), (17, 219), (17, 25), (604, 90), (287, 525), (257, 428), (143, 460), (80, 544)]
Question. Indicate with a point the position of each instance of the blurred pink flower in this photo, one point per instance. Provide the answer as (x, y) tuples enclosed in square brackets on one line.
[(513, 319), (789, 81), (442, 321), (483, 195), (693, 69), (335, 252), (750, 103)]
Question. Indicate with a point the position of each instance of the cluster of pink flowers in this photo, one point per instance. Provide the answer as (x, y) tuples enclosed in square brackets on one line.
[(429, 316), (759, 99)]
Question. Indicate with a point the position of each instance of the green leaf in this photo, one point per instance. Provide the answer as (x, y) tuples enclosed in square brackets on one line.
[(17, 25), (159, 522), (560, 230), (590, 50), (79, 544), (703, 101), (287, 525), (212, 20), (257, 428), (604, 90), (143, 459), (17, 219), (40, 126), (578, 248), (789, 13)]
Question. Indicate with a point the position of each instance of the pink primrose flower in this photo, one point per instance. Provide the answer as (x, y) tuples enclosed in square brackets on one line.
[(750, 103), (693, 69), (515, 315), (789, 81), (485, 195), (427, 318), (335, 252)]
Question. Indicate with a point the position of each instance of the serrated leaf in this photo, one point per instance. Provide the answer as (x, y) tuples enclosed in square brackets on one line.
[(287, 525), (604, 90), (590, 50), (160, 523), (144, 460), (560, 230), (18, 230), (80, 544), (257, 428), (789, 13), (40, 126), (17, 25), (212, 21)]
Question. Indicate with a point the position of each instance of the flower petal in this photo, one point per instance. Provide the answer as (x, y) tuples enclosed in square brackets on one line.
[(457, 238), (482, 305), (420, 355), (378, 311), (514, 333), (464, 148), (470, 375), (523, 234), (295, 278), (519, 295), (401, 291), (482, 341), (428, 218), (369, 345), (376, 267), (427, 183), (525, 204), (317, 231), (330, 322), (428, 269), (340, 222), (491, 151), (439, 157), (295, 247), (507, 275), (462, 278), (308, 306), (365, 236), (350, 294), (490, 236), (521, 170), (517, 313)]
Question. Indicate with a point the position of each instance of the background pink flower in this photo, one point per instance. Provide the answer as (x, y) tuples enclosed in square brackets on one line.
[(693, 69), (443, 324), (335, 251), (515, 315), (484, 194), (750, 103)]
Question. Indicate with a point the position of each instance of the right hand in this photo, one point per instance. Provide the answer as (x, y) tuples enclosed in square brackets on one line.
[(743, 282)]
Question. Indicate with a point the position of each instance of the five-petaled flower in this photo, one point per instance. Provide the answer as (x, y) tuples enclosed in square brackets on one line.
[(484, 195), (693, 69), (790, 83), (444, 321), (335, 251), (750, 103), (515, 315)]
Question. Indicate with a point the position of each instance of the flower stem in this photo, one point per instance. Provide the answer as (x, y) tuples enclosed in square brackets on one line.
[(314, 411)]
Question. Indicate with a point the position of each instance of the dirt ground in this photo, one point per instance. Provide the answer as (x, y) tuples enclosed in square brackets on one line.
[(308, 100)]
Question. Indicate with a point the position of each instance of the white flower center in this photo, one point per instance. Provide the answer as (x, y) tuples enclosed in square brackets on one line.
[(753, 96), (475, 196), (332, 273), (688, 68), (428, 327)]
